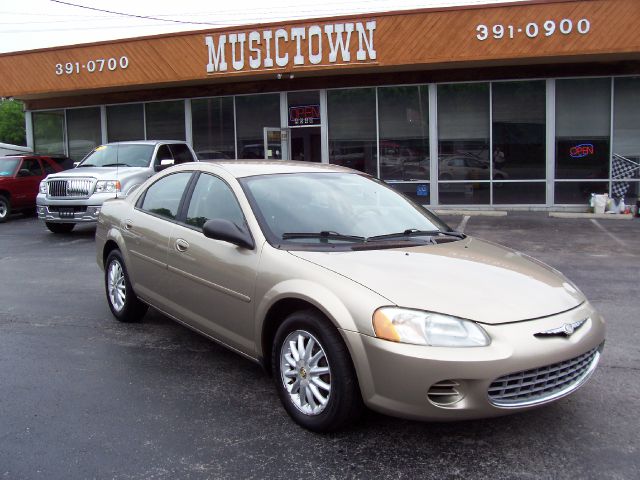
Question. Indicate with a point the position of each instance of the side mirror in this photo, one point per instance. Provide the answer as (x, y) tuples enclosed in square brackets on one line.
[(23, 172), (164, 164), (220, 229)]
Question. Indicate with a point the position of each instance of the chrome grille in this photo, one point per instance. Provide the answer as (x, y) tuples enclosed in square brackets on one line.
[(543, 384), (77, 187)]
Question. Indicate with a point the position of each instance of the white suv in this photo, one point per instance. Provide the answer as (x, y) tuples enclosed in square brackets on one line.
[(110, 170)]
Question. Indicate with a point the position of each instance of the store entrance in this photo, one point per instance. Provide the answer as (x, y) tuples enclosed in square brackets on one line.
[(306, 144)]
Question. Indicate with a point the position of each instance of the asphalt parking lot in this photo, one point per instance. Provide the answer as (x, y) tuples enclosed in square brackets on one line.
[(83, 396)]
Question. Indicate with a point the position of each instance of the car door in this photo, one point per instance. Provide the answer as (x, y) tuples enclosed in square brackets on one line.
[(213, 281), (147, 230), (27, 182)]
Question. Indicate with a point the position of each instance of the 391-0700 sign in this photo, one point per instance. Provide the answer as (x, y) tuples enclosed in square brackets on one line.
[(548, 28), (98, 65)]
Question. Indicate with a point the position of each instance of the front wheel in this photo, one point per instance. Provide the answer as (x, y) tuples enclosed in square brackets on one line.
[(123, 302), (5, 208), (313, 372), (60, 227)]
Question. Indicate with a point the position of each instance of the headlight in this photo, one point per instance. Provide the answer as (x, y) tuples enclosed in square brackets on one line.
[(107, 186), (426, 328), (43, 187)]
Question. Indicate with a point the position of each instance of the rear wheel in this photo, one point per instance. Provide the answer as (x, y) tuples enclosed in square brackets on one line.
[(5, 208), (123, 302), (60, 227), (313, 372)]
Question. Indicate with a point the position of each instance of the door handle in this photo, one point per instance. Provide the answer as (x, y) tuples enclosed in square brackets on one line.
[(128, 224), (182, 245)]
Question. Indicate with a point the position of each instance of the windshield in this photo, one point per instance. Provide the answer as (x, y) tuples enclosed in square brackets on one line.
[(122, 155), (333, 208), (8, 166)]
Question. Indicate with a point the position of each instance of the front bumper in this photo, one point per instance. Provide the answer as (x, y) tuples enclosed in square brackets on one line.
[(400, 379), (72, 210)]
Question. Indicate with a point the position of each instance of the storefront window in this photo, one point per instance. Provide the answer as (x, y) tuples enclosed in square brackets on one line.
[(626, 136), (463, 146), (84, 131), (352, 128), (213, 131), (125, 122), (48, 132), (583, 123), (578, 192), (253, 113), (165, 120), (519, 193), (519, 130), (403, 114)]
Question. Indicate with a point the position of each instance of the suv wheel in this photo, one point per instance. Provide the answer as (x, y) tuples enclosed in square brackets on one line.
[(5, 208), (123, 302), (60, 227), (313, 372)]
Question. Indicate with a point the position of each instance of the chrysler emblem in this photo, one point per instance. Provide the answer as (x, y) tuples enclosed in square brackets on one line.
[(565, 330)]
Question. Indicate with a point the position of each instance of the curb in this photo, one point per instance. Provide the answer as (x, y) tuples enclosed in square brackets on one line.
[(605, 216), (472, 213)]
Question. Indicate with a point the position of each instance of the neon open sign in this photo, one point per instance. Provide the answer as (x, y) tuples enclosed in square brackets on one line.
[(304, 115), (582, 150)]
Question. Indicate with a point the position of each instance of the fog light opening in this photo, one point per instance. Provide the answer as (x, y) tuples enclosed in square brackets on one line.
[(445, 393)]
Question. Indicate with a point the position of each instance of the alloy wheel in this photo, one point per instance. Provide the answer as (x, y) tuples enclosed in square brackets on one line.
[(116, 286)]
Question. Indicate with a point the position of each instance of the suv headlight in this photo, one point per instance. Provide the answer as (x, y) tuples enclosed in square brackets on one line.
[(43, 187), (425, 328), (107, 186)]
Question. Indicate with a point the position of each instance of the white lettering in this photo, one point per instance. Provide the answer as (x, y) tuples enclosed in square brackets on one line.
[(368, 42), (254, 62), (233, 39), (281, 61), (267, 35), (315, 31), (297, 34), (339, 29), (216, 57)]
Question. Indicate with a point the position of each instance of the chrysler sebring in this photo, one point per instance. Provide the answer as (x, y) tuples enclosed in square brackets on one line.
[(348, 293)]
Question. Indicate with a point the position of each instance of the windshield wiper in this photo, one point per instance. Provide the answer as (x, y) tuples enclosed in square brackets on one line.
[(323, 236), (116, 165), (414, 232)]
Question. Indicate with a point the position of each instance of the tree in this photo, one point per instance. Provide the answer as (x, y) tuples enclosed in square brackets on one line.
[(12, 126)]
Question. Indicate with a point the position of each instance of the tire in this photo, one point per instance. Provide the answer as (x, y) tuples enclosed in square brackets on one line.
[(336, 401), (60, 227), (5, 208), (123, 302)]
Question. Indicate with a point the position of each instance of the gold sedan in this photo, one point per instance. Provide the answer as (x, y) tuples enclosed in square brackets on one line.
[(347, 292)]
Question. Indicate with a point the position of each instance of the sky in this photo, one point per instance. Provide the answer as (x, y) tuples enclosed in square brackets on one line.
[(33, 24)]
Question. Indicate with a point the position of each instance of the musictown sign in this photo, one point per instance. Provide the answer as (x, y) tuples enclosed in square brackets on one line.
[(268, 49)]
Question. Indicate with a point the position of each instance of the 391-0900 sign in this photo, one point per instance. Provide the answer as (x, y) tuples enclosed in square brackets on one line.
[(91, 66), (565, 26)]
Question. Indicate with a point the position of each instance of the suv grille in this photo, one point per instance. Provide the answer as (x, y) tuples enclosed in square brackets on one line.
[(80, 187), (543, 384)]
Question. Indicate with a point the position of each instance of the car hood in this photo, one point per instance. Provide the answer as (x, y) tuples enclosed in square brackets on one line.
[(470, 279), (101, 173)]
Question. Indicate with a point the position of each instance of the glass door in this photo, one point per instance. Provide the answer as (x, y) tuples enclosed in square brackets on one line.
[(276, 143)]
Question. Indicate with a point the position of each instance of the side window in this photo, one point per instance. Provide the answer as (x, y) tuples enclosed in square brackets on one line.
[(48, 168), (181, 153), (163, 197), (212, 198), (30, 167), (163, 154)]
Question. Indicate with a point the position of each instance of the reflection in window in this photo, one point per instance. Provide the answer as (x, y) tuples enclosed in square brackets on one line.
[(253, 113), (582, 128), (163, 197), (212, 198), (404, 132), (519, 122), (84, 131), (165, 120), (626, 126), (48, 132), (352, 128), (125, 122), (463, 131), (213, 130)]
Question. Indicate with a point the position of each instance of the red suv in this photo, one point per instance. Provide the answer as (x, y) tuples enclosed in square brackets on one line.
[(20, 177)]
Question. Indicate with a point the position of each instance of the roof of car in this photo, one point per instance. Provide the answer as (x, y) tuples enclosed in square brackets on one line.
[(248, 168), (144, 142)]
